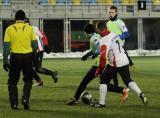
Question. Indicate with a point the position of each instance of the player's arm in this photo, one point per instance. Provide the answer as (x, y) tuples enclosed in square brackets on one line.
[(45, 43), (97, 51), (125, 33), (85, 57)]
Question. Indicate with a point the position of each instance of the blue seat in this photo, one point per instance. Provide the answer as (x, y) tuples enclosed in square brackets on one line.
[(60, 2), (93, 2), (148, 1), (116, 2), (69, 2), (88, 2), (43, 2), (6, 2)]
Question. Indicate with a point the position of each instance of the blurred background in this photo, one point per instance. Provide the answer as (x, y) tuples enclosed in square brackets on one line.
[(63, 21)]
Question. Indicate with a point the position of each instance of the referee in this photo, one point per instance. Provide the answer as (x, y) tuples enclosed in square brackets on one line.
[(19, 43)]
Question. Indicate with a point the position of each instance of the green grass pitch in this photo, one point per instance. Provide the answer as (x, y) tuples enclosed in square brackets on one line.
[(49, 101)]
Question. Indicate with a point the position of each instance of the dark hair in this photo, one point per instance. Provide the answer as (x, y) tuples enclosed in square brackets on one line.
[(20, 15), (101, 25), (27, 20), (89, 28), (114, 7)]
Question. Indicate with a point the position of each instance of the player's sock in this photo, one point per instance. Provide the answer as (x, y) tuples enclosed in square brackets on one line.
[(103, 92), (133, 86)]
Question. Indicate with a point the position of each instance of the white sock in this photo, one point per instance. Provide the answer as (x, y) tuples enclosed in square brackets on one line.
[(102, 92), (133, 86)]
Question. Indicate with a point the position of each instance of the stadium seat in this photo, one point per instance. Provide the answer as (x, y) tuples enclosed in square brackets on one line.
[(6, 2), (43, 2), (116, 2), (93, 2), (125, 2), (69, 2), (60, 2), (76, 2), (108, 2), (156, 2), (133, 2), (51, 2)]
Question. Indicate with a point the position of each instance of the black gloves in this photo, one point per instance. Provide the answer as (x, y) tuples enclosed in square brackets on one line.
[(84, 58), (46, 49), (6, 67), (94, 56)]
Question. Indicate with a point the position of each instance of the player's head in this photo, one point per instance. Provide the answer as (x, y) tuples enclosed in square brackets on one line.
[(113, 13), (89, 29), (102, 28), (27, 20), (20, 15)]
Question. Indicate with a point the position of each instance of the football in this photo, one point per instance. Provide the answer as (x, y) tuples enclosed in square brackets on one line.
[(86, 97)]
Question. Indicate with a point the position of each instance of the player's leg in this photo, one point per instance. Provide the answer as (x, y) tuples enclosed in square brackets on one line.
[(14, 75), (90, 75), (39, 69), (36, 77), (27, 72), (107, 74), (115, 80), (125, 74)]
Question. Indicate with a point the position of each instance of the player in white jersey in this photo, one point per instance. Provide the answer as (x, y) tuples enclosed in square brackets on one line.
[(90, 75), (111, 48), (38, 57)]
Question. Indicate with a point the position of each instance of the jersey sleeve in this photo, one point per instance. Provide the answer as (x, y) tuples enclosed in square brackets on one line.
[(7, 37), (104, 49)]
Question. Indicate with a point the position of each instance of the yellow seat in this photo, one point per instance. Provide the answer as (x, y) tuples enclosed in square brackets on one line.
[(100, 1), (76, 2), (125, 2), (51, 2), (156, 2), (105, 2), (133, 2), (108, 2)]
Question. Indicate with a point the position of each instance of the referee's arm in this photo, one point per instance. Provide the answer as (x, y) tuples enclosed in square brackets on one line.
[(6, 47)]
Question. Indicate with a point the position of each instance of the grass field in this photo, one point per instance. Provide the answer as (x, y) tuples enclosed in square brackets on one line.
[(49, 101)]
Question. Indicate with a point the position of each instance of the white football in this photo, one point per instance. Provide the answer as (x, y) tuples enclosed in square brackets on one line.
[(86, 97)]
